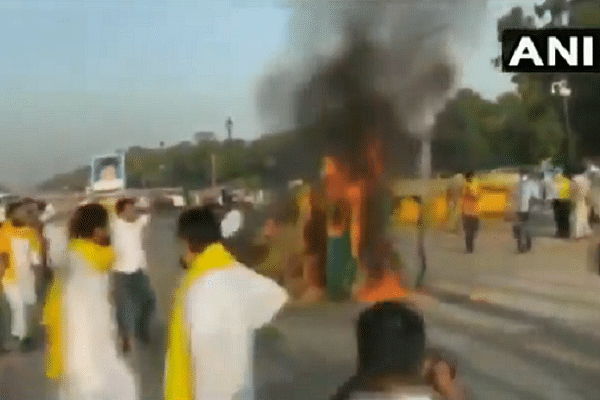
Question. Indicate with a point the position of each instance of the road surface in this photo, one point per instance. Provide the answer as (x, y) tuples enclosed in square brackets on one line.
[(525, 345)]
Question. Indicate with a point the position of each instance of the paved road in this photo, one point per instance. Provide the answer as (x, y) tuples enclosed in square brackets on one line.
[(505, 352)]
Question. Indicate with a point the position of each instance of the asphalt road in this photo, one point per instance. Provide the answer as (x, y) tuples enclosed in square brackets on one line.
[(503, 354)]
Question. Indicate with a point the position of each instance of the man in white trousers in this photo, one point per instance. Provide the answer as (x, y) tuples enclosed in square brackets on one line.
[(20, 253)]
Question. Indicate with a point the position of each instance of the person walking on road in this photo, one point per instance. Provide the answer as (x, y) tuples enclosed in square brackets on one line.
[(20, 250), (562, 205), (580, 194), (218, 306), (527, 190), (134, 298), (470, 210), (82, 351)]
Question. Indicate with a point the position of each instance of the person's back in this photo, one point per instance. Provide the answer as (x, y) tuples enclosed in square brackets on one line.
[(392, 360), (234, 302)]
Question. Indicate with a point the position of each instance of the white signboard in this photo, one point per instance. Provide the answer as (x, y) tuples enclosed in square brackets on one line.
[(108, 173)]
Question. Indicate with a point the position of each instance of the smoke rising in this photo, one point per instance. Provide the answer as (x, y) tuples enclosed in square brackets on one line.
[(357, 70)]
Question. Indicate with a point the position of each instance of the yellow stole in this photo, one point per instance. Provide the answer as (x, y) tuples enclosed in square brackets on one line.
[(10, 231), (100, 258), (179, 373)]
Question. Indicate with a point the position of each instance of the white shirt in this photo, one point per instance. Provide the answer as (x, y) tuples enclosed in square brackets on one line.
[(223, 310), (57, 239), (127, 240), (528, 189)]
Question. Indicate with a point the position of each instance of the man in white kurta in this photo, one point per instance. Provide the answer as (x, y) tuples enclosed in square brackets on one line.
[(219, 305), (581, 188), (82, 350), (20, 247), (223, 311)]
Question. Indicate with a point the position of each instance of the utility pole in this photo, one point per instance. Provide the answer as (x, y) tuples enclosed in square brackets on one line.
[(229, 127), (562, 89)]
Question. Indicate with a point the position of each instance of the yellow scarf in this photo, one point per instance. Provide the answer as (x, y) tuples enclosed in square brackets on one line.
[(179, 374), (9, 231), (100, 258)]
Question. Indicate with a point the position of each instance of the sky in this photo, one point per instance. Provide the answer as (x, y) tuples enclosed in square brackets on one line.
[(85, 78)]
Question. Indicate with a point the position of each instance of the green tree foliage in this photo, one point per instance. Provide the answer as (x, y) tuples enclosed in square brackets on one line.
[(272, 159), (474, 133), (542, 107)]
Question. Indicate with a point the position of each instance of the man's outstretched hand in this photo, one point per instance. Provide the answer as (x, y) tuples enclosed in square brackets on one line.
[(443, 378)]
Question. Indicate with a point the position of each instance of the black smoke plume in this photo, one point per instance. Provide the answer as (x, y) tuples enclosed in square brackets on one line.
[(387, 76)]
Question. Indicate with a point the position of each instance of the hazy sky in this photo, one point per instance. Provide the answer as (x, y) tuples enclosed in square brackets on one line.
[(84, 78)]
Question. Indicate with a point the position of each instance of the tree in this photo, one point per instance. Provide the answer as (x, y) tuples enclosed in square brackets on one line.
[(543, 119)]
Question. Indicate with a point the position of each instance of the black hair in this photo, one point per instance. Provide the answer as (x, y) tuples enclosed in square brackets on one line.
[(199, 227), (122, 203), (469, 175), (12, 207), (391, 340), (86, 219)]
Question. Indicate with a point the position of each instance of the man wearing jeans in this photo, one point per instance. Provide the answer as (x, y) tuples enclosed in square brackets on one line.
[(134, 298), (470, 210), (527, 190)]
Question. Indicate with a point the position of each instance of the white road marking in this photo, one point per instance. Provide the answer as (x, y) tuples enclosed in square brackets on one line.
[(457, 314), (564, 355), (503, 366)]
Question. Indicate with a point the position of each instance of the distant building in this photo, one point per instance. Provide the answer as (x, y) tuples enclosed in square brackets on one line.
[(202, 137)]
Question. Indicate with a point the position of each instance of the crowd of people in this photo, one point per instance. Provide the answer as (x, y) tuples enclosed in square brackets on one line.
[(573, 197), (91, 277)]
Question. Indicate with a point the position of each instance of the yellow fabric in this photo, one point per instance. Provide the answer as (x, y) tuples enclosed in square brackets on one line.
[(7, 233), (179, 374), (54, 329), (470, 198), (410, 211), (100, 258), (564, 187)]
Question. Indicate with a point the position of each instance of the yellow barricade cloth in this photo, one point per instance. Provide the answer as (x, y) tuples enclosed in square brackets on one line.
[(179, 374), (100, 258)]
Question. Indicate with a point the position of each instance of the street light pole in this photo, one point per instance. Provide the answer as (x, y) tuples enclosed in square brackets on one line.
[(570, 142), (560, 88)]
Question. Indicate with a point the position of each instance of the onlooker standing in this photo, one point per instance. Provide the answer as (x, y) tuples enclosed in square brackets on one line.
[(454, 193), (580, 195), (392, 358), (562, 205), (527, 190), (470, 210), (20, 252), (134, 298)]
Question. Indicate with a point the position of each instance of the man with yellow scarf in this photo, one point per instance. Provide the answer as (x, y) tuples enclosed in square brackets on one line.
[(82, 351), (20, 253), (218, 306)]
